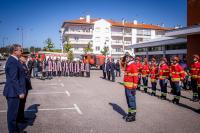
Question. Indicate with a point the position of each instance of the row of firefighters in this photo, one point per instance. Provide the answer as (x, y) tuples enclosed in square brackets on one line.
[(135, 71), (50, 68)]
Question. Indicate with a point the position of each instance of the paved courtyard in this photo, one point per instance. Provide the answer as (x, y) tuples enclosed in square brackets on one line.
[(95, 105)]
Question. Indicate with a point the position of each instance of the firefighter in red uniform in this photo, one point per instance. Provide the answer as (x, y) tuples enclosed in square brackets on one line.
[(139, 66), (130, 85), (145, 73), (153, 71), (163, 76), (194, 70), (177, 75)]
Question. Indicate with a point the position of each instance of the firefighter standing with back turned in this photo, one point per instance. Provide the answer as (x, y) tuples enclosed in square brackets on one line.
[(130, 84)]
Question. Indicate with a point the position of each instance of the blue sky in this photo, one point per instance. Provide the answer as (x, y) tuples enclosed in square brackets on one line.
[(41, 19)]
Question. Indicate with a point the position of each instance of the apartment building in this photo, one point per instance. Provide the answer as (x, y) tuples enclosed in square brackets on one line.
[(100, 33)]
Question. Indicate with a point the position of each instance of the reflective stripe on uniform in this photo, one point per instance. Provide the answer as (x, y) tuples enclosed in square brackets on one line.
[(194, 76), (131, 110), (129, 84), (131, 74), (175, 79), (153, 80), (163, 94), (177, 97)]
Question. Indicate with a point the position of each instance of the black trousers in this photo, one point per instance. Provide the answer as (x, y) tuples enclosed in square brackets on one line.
[(118, 72), (104, 75), (22, 103), (12, 113), (88, 74), (113, 76), (194, 88), (108, 75)]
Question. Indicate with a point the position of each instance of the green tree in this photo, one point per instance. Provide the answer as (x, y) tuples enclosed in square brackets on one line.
[(67, 46), (88, 48), (105, 51), (70, 55), (49, 45)]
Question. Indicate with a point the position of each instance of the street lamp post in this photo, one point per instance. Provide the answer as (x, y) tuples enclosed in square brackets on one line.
[(22, 34), (3, 41)]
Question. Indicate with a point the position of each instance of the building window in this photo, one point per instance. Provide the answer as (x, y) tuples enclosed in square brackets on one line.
[(76, 49), (157, 48), (140, 50), (142, 32), (176, 46), (118, 49), (139, 40), (159, 32), (97, 48)]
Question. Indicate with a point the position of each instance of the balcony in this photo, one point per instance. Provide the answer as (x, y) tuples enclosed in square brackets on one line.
[(78, 32), (126, 34), (120, 42), (80, 41), (114, 52), (117, 42), (78, 51)]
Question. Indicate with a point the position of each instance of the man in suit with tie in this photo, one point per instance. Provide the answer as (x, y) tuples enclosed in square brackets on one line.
[(14, 89)]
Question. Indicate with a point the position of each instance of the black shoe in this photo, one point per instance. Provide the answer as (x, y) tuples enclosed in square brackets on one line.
[(153, 94), (174, 100), (194, 99), (130, 118)]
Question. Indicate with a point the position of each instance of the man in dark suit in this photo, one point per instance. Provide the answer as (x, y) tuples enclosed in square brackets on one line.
[(103, 67), (112, 70), (118, 71), (108, 68), (14, 89)]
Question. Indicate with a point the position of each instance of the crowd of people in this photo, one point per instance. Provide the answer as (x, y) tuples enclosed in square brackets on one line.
[(56, 67), (175, 72), (20, 68), (111, 69)]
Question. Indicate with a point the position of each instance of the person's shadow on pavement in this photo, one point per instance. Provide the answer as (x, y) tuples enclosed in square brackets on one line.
[(30, 114), (118, 109)]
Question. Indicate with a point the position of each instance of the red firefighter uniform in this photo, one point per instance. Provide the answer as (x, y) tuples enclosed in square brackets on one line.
[(139, 67), (131, 76), (145, 73), (163, 76), (164, 72), (177, 74), (153, 71), (194, 73)]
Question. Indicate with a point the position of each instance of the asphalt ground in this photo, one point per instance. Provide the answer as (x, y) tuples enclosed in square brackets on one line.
[(95, 105)]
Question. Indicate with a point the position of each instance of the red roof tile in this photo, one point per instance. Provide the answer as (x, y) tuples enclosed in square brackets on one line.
[(115, 23)]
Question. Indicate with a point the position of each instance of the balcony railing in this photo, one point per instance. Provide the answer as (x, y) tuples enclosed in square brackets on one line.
[(120, 42), (121, 34), (80, 41), (79, 32), (116, 52)]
